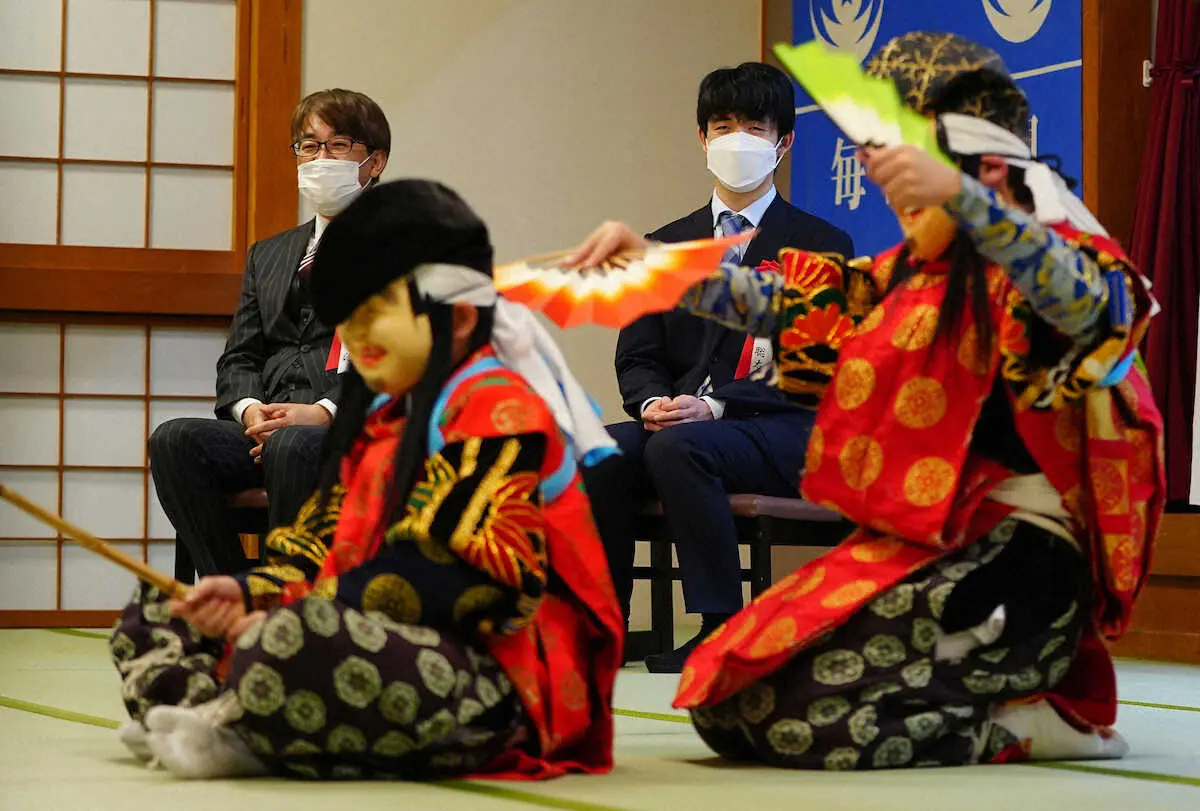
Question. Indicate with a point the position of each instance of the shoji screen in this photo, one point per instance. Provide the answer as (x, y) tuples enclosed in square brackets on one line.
[(78, 401), (119, 125)]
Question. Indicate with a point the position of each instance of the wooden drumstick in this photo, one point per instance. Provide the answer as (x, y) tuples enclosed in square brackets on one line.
[(168, 585)]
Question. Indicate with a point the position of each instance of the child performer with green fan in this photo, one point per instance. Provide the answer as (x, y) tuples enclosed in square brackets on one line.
[(982, 418)]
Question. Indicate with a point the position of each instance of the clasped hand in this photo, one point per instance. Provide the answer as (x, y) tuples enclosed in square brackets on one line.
[(263, 420), (667, 411)]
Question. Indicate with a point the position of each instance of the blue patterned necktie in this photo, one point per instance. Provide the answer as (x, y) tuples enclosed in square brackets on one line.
[(729, 224)]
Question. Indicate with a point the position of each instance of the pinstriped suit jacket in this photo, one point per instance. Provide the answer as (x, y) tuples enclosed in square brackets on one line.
[(268, 355)]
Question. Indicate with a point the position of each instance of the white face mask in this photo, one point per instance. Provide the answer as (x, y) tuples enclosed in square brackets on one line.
[(329, 185), (741, 161)]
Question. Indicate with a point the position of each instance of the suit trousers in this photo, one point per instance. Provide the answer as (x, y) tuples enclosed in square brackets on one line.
[(691, 469), (198, 463)]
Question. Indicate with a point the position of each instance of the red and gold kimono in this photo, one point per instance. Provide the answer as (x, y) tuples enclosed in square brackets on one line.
[(1007, 501), (477, 634)]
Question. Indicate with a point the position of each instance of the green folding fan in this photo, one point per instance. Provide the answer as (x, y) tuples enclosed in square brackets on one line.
[(867, 109)]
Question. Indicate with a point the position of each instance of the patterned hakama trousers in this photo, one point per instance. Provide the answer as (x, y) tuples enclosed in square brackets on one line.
[(872, 695), (328, 692)]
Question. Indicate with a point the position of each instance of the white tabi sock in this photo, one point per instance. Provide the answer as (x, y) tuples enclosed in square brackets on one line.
[(1052, 738), (133, 735), (189, 745)]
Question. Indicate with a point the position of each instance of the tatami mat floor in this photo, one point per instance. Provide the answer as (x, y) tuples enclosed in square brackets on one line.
[(59, 703)]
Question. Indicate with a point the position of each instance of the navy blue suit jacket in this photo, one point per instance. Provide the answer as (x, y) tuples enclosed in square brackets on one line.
[(671, 353)]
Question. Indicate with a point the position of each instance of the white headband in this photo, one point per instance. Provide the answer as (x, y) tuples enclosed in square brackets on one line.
[(1052, 200), (522, 344)]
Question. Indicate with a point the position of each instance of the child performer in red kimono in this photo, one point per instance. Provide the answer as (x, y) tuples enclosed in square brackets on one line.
[(441, 605), (987, 427)]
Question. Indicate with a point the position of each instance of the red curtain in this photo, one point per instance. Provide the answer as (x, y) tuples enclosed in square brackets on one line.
[(1166, 228)]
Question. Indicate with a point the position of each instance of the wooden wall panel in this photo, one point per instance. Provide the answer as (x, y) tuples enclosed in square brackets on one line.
[(1116, 107), (118, 280), (776, 23), (1166, 619), (275, 63), (1176, 551), (58, 619)]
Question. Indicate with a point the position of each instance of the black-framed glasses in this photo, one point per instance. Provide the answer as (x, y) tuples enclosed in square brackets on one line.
[(337, 145)]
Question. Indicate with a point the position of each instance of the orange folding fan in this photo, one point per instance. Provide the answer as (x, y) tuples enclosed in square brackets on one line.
[(624, 288)]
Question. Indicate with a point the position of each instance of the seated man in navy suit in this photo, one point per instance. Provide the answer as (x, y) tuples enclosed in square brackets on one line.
[(706, 423)]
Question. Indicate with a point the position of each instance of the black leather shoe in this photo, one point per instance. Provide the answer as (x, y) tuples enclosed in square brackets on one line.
[(639, 645), (672, 661)]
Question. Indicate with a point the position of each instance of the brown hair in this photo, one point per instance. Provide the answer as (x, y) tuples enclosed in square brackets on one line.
[(348, 112)]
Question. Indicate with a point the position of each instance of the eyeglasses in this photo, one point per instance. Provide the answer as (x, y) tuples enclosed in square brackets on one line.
[(337, 145)]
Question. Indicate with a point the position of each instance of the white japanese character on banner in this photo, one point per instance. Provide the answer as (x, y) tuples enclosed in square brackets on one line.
[(848, 175)]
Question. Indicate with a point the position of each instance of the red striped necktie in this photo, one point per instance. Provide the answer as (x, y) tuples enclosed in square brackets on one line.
[(305, 269)]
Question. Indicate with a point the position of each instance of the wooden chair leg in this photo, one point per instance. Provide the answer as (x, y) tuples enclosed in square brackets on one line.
[(662, 608), (760, 557), (251, 545)]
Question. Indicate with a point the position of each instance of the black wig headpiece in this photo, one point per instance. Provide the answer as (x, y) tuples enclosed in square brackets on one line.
[(385, 235)]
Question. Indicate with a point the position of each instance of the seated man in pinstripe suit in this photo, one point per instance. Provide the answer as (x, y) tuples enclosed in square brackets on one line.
[(275, 394)]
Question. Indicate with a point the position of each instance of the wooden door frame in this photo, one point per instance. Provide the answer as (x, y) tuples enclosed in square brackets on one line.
[(1116, 108)]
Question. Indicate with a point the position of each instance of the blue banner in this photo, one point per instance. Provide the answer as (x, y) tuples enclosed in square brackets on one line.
[(1039, 40)]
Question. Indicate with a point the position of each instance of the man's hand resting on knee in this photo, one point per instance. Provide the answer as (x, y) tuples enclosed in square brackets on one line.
[(262, 420), (666, 412)]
